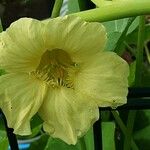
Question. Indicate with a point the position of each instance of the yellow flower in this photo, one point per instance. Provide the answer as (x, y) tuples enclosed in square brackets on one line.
[(59, 69)]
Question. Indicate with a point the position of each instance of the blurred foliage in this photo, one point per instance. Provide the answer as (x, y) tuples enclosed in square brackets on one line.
[(3, 136), (3, 141), (15, 9), (86, 4), (1, 28), (47, 143)]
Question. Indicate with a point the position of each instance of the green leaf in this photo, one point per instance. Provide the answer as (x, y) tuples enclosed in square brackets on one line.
[(108, 130), (3, 141), (132, 37), (56, 144), (112, 40), (119, 49), (142, 120), (84, 143), (89, 140), (133, 26), (40, 143), (116, 25), (36, 125), (73, 6), (114, 30), (142, 138)]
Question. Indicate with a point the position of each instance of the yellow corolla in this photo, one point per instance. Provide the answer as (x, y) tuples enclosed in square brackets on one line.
[(59, 69)]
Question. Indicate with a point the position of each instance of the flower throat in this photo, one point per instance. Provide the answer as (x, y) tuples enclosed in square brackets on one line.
[(53, 68)]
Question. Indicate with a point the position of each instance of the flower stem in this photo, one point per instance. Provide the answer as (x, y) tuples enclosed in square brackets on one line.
[(123, 128), (130, 124), (82, 143), (139, 53), (56, 8), (118, 48), (116, 10), (147, 53), (138, 77), (131, 50)]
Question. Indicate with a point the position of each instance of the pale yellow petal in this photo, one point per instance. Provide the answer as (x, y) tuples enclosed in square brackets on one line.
[(22, 45), (22, 97), (79, 38), (67, 115), (104, 78)]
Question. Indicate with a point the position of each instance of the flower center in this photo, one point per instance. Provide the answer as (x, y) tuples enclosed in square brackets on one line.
[(54, 68)]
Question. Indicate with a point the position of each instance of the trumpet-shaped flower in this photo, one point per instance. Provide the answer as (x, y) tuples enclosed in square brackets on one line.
[(59, 69)]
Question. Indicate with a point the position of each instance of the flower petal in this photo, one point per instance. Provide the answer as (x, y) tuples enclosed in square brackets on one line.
[(22, 45), (22, 99), (79, 38), (104, 78), (67, 115)]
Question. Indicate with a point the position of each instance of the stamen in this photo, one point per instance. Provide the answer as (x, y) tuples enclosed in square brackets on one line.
[(54, 69)]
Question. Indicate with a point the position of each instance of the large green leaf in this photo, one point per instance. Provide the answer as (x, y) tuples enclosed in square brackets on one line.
[(117, 30), (84, 143), (48, 143), (56, 144), (114, 30)]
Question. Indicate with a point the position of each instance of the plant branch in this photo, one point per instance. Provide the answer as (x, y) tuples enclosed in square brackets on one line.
[(57, 8), (123, 128), (139, 53), (116, 10), (130, 125)]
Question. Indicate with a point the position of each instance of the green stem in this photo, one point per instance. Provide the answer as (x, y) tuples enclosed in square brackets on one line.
[(138, 77), (1, 28), (139, 54), (82, 144), (130, 125), (116, 10), (129, 48), (118, 49), (123, 128), (147, 53), (56, 8)]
